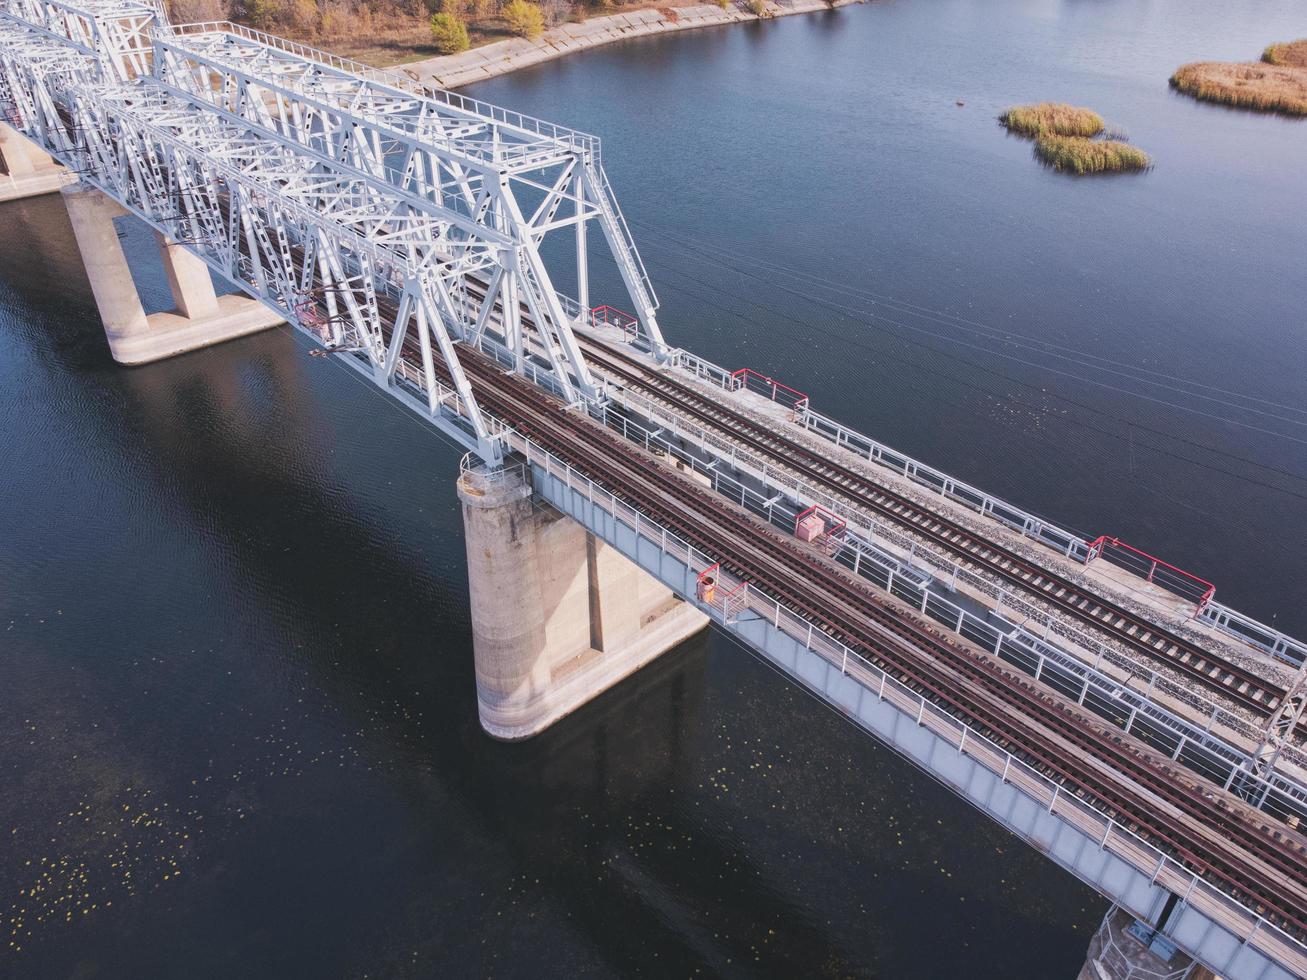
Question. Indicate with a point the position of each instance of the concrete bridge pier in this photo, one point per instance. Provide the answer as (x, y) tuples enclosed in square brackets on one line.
[(1125, 948), (28, 170), (201, 318), (558, 616)]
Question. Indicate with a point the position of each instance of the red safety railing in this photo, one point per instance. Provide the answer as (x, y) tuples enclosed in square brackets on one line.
[(748, 379), (611, 316), (835, 524), (1152, 569), (709, 590), (833, 528)]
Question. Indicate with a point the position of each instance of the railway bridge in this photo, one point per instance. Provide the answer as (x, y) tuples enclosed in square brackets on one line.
[(620, 494)]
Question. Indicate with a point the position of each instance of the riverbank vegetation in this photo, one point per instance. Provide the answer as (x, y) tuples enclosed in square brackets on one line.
[(389, 32), (1076, 154), (1291, 54), (1052, 118), (1277, 83), (449, 34), (1073, 139)]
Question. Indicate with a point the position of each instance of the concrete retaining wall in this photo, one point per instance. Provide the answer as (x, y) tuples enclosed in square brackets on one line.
[(502, 57)]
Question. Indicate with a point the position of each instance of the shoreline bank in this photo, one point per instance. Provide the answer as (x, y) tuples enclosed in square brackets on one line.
[(502, 57)]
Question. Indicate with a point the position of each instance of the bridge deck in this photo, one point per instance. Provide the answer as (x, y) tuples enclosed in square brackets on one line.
[(829, 597)]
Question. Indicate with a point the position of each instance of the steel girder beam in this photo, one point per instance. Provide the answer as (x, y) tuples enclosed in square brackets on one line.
[(330, 190), (413, 137), (117, 32), (469, 191), (293, 233), (1280, 728)]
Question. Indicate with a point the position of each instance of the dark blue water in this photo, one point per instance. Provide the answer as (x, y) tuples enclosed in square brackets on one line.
[(1123, 354), (238, 728)]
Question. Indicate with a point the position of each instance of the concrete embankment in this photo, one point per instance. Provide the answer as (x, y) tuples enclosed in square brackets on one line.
[(478, 64)]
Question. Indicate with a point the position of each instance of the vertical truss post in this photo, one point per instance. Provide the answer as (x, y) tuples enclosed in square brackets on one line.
[(511, 308), (551, 323), (582, 259), (1279, 732), (626, 256)]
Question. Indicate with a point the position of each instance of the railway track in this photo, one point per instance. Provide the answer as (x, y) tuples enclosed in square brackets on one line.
[(1220, 838), (1222, 676)]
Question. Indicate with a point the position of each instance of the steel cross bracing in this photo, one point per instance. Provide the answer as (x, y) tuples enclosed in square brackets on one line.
[(507, 138), (357, 208), (1280, 728), (114, 31)]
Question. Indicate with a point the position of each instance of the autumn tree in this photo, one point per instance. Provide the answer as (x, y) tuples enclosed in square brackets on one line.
[(523, 18), (449, 33)]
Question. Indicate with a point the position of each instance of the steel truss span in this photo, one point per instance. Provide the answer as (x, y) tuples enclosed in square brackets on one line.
[(302, 179), (420, 236)]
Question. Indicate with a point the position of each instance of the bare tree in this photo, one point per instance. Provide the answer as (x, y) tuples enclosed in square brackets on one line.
[(191, 11), (555, 11)]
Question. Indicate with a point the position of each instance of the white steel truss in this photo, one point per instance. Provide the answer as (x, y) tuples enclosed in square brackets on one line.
[(372, 214)]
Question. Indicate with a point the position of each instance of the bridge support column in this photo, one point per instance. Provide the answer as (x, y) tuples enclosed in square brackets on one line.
[(189, 279), (28, 170), (1126, 949), (201, 318), (558, 616)]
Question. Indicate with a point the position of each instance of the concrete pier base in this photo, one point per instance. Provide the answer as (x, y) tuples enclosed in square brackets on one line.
[(558, 616), (28, 171), (201, 318), (1126, 949)]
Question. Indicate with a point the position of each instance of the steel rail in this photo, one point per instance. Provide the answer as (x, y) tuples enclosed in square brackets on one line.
[(1008, 705), (1268, 857), (1216, 673)]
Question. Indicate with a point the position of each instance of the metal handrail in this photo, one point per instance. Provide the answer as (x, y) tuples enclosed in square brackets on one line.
[(475, 108), (1068, 543), (1125, 844), (1248, 927)]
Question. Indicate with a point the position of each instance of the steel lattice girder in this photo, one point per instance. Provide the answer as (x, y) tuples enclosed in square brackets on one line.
[(443, 201), (478, 201), (194, 148), (271, 218), (475, 142), (412, 138), (115, 31)]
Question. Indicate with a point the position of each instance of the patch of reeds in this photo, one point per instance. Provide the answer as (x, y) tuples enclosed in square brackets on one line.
[(1290, 54), (1052, 118), (1262, 86), (1079, 155)]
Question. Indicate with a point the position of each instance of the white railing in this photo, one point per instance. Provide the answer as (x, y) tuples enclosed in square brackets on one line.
[(1247, 926), (471, 107), (1257, 634), (1121, 961), (888, 539), (869, 551), (1064, 542), (1136, 712)]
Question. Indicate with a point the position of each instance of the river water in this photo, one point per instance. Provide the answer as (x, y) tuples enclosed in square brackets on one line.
[(238, 728)]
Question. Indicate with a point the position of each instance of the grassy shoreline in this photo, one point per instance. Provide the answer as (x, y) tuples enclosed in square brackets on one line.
[(1072, 139), (1079, 155), (1277, 83), (1052, 118)]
